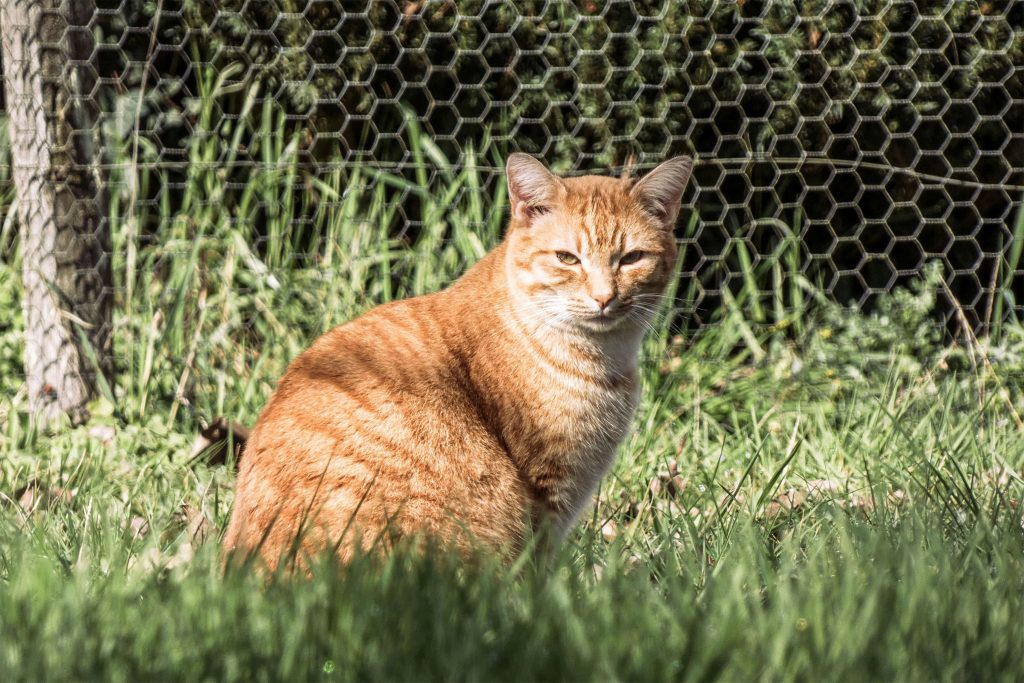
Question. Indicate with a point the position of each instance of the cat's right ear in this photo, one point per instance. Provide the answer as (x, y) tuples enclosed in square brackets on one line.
[(661, 190), (532, 189)]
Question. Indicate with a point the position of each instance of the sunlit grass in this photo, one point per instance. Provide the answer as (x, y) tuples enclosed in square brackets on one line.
[(835, 496)]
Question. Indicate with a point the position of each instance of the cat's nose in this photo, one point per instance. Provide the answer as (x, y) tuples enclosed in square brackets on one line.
[(603, 299)]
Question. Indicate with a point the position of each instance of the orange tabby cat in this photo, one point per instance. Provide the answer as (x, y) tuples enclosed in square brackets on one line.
[(469, 414)]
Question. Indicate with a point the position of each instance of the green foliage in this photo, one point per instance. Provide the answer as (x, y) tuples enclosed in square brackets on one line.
[(808, 606), (914, 543), (10, 329), (794, 493), (782, 507), (902, 331)]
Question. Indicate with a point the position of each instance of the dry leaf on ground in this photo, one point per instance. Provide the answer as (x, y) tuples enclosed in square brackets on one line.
[(35, 495), (211, 444)]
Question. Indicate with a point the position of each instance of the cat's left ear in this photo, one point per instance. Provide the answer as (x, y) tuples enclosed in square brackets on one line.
[(661, 191)]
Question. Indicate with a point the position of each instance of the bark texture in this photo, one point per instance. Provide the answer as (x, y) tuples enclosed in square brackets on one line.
[(49, 81)]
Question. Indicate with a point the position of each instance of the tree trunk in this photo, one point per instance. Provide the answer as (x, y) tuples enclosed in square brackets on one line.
[(65, 242)]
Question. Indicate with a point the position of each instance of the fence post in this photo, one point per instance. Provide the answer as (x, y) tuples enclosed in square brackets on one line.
[(65, 242)]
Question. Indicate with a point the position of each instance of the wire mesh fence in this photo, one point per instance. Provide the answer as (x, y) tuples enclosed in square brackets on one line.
[(841, 144)]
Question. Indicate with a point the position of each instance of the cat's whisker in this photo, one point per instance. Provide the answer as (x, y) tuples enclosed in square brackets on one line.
[(643, 317), (647, 313), (648, 327)]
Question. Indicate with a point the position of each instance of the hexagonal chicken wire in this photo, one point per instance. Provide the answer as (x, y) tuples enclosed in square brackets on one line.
[(869, 137)]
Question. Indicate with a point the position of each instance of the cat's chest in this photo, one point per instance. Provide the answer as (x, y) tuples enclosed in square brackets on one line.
[(585, 413), (570, 439), (561, 408)]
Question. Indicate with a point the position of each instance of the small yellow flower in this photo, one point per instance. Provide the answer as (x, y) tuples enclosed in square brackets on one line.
[(825, 333), (801, 624)]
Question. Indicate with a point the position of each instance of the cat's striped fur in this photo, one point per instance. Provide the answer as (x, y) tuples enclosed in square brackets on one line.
[(468, 414)]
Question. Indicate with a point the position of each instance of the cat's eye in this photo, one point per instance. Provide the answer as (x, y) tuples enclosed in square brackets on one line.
[(567, 258), (631, 257)]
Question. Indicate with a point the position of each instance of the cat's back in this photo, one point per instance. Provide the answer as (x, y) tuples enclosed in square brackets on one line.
[(413, 347), (412, 342), (401, 342)]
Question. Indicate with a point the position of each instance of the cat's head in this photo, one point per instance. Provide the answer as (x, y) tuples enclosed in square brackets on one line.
[(592, 253)]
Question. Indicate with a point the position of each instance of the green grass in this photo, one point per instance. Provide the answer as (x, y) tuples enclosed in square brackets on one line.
[(840, 502)]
